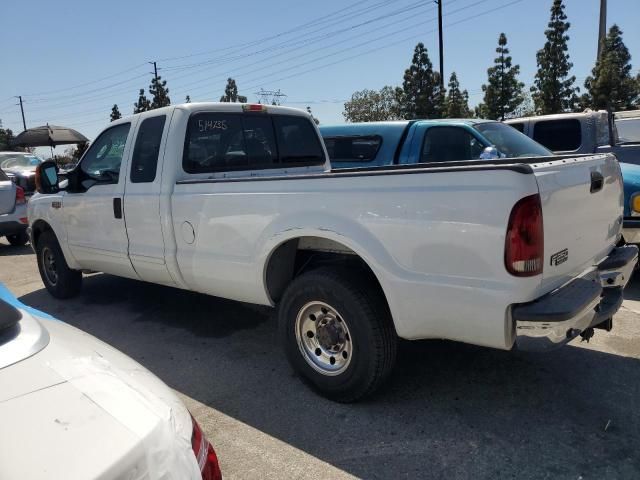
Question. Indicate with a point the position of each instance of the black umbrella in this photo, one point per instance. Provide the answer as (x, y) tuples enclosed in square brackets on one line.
[(48, 136)]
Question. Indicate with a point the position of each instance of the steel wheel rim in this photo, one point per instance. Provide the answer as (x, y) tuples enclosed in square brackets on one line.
[(323, 338), (49, 266)]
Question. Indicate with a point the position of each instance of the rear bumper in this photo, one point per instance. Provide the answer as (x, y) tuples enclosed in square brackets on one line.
[(631, 229), (11, 223), (586, 302)]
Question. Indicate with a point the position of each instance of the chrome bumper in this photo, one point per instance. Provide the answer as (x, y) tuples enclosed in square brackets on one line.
[(586, 302)]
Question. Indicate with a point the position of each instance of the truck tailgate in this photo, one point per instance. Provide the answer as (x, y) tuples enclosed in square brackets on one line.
[(7, 196), (582, 200)]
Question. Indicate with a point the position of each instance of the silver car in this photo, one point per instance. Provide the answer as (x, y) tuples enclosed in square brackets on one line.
[(13, 212)]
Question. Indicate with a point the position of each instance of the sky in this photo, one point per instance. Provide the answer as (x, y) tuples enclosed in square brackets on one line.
[(71, 60)]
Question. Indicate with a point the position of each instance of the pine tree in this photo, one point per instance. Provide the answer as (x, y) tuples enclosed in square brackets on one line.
[(553, 90), (115, 113), (143, 104), (231, 93), (503, 92), (312, 116), (187, 99), (422, 96), (611, 85), (159, 93), (457, 101)]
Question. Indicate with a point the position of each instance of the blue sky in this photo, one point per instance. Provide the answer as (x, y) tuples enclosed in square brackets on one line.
[(72, 60)]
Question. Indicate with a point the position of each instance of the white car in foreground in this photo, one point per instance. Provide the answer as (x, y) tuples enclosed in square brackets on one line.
[(73, 407)]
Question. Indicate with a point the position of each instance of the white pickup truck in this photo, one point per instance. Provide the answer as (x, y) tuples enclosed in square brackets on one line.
[(238, 201)]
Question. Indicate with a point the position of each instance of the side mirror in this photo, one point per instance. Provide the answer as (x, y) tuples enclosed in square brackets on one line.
[(47, 177), (490, 153)]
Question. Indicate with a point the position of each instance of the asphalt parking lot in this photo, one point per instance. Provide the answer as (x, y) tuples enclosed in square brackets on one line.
[(450, 410)]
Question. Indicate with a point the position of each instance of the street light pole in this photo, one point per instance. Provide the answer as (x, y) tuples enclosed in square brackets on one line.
[(602, 32), (24, 124)]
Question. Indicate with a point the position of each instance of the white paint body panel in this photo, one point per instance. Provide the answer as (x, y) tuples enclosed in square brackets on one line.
[(78, 428), (434, 238)]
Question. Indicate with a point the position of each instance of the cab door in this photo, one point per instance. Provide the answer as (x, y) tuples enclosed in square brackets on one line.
[(94, 219), (142, 200)]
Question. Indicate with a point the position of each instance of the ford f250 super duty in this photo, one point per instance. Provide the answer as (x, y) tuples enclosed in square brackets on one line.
[(239, 201)]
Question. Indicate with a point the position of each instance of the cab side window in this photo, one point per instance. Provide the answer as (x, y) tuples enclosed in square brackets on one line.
[(558, 135), (103, 159), (144, 161), (449, 144)]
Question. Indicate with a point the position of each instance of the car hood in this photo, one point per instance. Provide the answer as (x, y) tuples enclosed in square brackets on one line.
[(631, 180), (85, 410)]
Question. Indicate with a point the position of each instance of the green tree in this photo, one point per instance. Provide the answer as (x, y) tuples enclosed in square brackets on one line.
[(457, 101), (231, 93), (312, 115), (503, 92), (79, 151), (187, 99), (373, 105), (422, 96), (553, 90), (115, 113), (6, 137), (159, 93), (611, 85), (143, 104)]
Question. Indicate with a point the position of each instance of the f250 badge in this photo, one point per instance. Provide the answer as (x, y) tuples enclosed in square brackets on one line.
[(559, 257)]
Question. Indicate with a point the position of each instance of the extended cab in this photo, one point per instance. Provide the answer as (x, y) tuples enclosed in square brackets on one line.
[(238, 201), (595, 132)]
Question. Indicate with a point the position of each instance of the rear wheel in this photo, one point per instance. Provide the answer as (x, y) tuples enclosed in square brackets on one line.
[(19, 239), (60, 280), (337, 333)]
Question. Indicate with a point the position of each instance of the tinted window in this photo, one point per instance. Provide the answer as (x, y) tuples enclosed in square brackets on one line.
[(558, 135), (510, 142), (230, 141), (102, 161), (298, 141), (144, 162), (3, 176), (353, 149), (448, 144), (517, 126)]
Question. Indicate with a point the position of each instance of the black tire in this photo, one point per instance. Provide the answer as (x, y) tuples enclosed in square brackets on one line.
[(19, 239), (361, 305), (63, 282)]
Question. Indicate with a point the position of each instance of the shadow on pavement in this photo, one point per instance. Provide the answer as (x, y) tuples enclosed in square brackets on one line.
[(450, 410), (7, 250)]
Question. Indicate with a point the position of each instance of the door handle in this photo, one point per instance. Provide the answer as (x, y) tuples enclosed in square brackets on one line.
[(597, 181), (117, 207)]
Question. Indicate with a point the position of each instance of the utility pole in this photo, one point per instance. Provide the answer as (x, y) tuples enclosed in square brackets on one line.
[(155, 70), (439, 2), (602, 33), (24, 124)]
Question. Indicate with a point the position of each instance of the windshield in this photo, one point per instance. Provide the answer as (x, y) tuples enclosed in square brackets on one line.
[(10, 160), (510, 141), (628, 130)]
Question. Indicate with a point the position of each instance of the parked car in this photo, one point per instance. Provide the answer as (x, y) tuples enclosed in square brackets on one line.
[(628, 127), (21, 168), (13, 212), (73, 407), (238, 201), (593, 132)]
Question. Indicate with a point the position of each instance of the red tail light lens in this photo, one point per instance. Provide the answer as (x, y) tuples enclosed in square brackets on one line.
[(20, 198), (205, 455), (524, 245)]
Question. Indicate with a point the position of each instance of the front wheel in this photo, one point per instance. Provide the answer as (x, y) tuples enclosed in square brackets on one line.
[(60, 280), (337, 332)]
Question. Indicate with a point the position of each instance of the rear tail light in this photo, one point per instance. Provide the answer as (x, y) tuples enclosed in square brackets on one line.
[(20, 198), (205, 455), (524, 245), (254, 107)]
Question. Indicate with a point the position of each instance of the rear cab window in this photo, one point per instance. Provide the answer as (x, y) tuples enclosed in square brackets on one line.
[(517, 125), (558, 135), (357, 148), (227, 142)]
